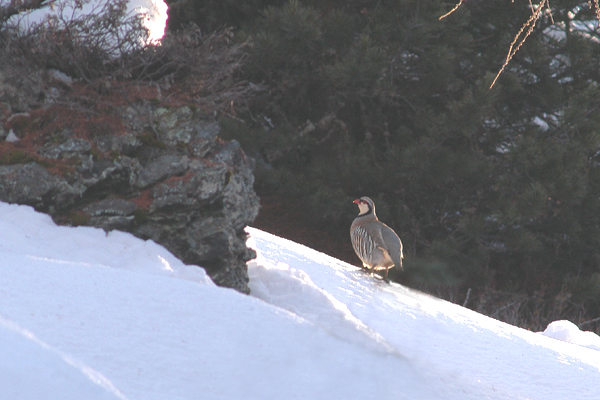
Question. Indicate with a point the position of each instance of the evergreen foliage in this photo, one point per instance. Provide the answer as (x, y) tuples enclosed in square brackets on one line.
[(496, 188)]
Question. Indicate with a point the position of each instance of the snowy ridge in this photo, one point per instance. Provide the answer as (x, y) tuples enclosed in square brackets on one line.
[(294, 291), (474, 355)]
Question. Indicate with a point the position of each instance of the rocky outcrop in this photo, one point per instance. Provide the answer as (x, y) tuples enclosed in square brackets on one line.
[(159, 172)]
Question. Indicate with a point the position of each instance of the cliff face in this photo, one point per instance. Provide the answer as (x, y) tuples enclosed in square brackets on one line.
[(119, 157)]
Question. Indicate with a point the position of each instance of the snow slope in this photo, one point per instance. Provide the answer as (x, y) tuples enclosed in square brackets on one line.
[(85, 314), (31, 369), (461, 353)]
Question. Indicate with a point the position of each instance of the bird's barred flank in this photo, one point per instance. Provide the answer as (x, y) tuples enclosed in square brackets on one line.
[(362, 243)]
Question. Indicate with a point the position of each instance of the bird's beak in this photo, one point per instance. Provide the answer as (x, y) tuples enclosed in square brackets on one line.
[(357, 201)]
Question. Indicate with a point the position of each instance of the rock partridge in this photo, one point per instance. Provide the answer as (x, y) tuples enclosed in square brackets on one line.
[(375, 243)]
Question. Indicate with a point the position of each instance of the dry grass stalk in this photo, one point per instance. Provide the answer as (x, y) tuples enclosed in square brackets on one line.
[(519, 38), (456, 8)]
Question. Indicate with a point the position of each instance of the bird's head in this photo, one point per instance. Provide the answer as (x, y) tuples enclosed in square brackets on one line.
[(365, 206)]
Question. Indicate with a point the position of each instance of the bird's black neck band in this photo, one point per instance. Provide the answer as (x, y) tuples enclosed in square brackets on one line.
[(368, 212)]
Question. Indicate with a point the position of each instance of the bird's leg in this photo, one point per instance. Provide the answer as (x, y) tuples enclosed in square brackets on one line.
[(385, 278), (376, 276)]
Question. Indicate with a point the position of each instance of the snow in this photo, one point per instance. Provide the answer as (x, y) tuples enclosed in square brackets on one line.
[(570, 333), (86, 314), (154, 12), (460, 353), (543, 125), (11, 137), (31, 369)]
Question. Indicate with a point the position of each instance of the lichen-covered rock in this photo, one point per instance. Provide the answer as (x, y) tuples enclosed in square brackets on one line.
[(161, 168), (168, 177), (33, 185), (70, 148), (111, 214)]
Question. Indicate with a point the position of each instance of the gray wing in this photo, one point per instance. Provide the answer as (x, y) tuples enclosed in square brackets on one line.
[(393, 245)]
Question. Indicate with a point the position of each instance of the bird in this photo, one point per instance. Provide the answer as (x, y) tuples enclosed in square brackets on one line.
[(375, 243)]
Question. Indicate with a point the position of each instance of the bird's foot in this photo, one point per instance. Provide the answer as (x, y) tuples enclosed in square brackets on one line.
[(380, 278)]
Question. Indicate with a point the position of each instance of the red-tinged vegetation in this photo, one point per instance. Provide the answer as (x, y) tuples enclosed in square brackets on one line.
[(176, 180), (143, 201)]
